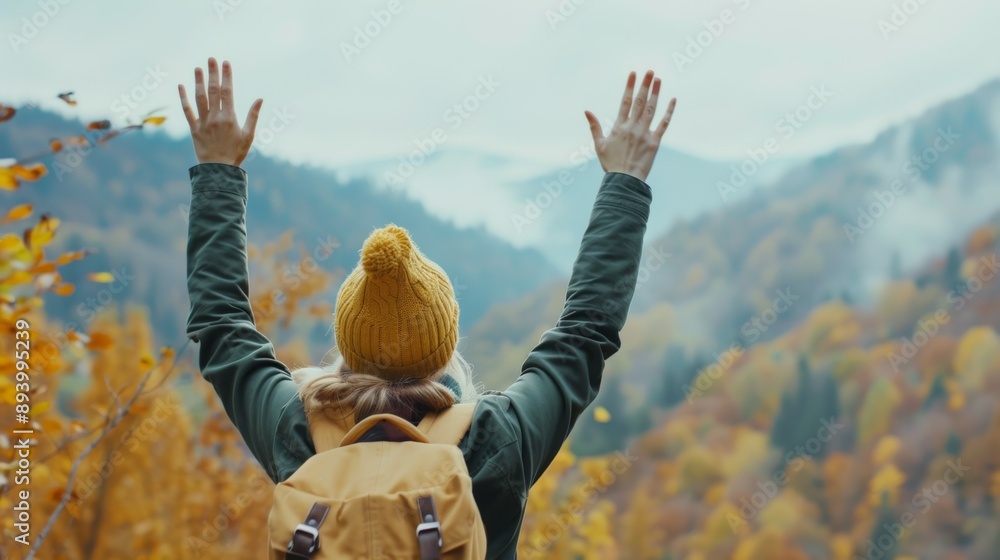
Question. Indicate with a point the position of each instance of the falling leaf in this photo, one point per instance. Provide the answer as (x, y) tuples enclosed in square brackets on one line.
[(40, 408), (155, 121), (146, 361), (70, 257), (99, 125), (43, 268), (8, 181), (55, 144), (6, 112), (108, 136), (68, 98), (64, 289), (29, 173), (99, 341), (102, 277), (602, 415), (18, 212)]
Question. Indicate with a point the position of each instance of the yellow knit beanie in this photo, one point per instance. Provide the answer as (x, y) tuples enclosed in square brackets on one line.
[(397, 316)]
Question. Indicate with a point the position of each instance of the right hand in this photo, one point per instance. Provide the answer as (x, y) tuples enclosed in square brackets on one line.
[(631, 147)]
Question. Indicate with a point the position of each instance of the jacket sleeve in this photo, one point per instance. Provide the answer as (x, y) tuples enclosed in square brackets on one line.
[(256, 389), (562, 374)]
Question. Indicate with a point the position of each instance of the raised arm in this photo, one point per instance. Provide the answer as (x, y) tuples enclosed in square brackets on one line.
[(562, 374), (255, 388)]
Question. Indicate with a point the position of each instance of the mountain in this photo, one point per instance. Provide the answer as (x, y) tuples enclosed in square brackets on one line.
[(127, 200), (545, 207), (837, 227)]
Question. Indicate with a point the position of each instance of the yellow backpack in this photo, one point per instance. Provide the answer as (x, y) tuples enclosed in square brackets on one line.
[(380, 489)]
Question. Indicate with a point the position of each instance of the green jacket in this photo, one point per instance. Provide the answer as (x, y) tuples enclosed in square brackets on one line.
[(515, 434)]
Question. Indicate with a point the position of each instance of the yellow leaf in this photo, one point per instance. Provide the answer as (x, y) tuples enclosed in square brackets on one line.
[(146, 361), (70, 257), (51, 425), (102, 277), (40, 407), (64, 289), (30, 172), (166, 353), (10, 242), (99, 341), (602, 415), (18, 212), (155, 121), (18, 277), (8, 181)]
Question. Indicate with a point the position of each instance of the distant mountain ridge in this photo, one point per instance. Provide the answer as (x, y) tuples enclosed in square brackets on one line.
[(797, 237), (127, 199)]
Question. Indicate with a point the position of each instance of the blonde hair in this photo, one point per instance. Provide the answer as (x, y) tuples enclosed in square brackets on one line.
[(333, 386)]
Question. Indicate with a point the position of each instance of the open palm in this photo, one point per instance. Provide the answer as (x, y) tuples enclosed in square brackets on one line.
[(216, 133)]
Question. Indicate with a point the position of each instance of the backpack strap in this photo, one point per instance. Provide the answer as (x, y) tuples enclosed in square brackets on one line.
[(328, 427), (448, 426)]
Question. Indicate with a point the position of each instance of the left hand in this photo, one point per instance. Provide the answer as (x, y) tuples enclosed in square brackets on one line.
[(216, 133)]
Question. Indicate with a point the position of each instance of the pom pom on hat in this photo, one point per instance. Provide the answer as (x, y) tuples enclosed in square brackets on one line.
[(385, 250)]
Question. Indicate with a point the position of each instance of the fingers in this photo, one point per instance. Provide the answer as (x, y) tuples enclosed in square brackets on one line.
[(647, 116), (640, 100), (188, 113), (251, 123), (627, 98), (213, 85), (200, 97), (662, 128), (228, 106), (595, 126)]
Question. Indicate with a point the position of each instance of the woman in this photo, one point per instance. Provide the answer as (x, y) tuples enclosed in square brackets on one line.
[(395, 289)]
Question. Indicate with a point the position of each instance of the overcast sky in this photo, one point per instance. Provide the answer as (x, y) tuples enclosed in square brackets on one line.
[(348, 97)]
